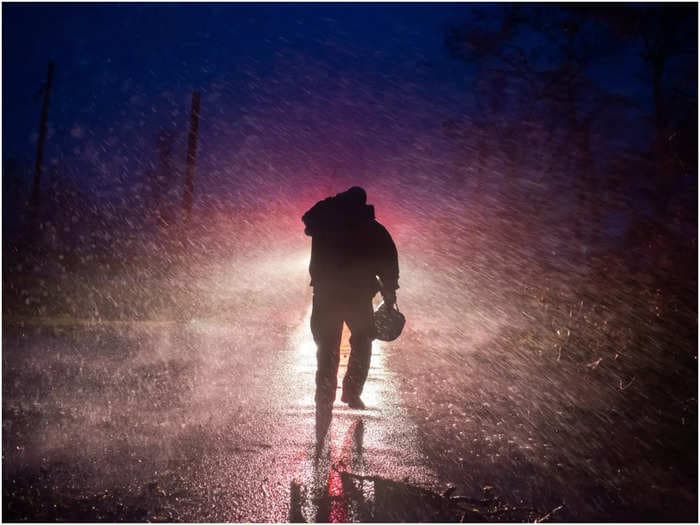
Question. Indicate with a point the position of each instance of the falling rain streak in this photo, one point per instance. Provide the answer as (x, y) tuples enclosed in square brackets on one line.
[(537, 169)]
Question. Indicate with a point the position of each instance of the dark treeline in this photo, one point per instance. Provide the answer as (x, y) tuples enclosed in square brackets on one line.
[(578, 169), (568, 144), (578, 162)]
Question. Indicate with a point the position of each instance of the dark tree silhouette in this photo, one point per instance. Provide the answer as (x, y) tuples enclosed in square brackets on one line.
[(535, 67)]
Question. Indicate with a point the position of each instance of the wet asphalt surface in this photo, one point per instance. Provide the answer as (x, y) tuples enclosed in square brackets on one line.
[(201, 418), (165, 422), (210, 417)]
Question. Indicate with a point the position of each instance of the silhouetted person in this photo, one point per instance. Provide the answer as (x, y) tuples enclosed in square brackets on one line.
[(349, 251)]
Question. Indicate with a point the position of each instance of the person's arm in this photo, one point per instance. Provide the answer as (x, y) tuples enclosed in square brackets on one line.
[(388, 265)]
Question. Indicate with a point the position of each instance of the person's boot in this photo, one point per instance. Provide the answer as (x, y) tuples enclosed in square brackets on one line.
[(353, 401)]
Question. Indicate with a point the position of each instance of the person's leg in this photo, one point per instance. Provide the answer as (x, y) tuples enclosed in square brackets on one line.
[(359, 317), (326, 328)]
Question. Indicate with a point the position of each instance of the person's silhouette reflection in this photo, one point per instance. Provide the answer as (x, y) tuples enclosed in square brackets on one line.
[(339, 492), (332, 492), (323, 422)]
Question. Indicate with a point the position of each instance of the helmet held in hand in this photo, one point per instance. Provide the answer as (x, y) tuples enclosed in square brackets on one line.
[(388, 322)]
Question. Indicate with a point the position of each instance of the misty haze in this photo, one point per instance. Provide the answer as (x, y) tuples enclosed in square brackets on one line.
[(536, 168)]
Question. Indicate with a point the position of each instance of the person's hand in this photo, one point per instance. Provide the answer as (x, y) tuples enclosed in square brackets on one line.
[(389, 297)]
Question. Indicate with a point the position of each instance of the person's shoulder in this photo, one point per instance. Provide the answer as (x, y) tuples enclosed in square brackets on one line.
[(380, 229)]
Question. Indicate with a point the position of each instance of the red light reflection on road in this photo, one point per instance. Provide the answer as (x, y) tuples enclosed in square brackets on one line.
[(339, 510)]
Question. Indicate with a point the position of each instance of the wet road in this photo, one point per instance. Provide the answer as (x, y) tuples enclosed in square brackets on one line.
[(207, 414), (209, 418)]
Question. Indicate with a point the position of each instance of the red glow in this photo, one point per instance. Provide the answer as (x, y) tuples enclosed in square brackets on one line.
[(338, 510)]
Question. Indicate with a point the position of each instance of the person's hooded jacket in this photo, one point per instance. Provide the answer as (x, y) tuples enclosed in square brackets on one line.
[(349, 248)]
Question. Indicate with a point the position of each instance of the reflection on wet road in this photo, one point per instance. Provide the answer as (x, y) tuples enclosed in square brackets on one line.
[(378, 441)]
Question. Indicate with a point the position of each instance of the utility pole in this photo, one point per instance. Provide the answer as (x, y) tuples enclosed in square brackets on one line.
[(191, 155), (46, 89)]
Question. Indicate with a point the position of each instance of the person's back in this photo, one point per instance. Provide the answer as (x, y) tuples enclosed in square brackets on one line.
[(349, 251), (349, 248)]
